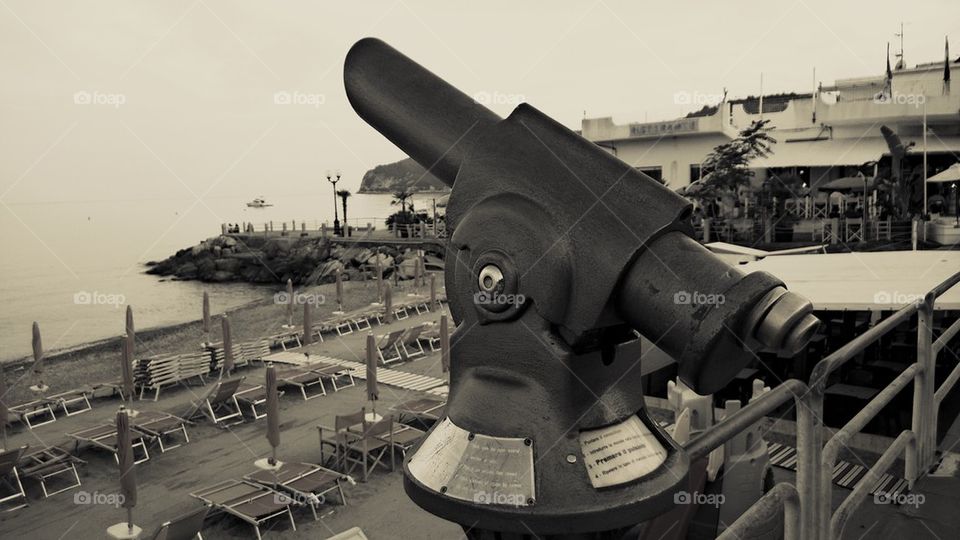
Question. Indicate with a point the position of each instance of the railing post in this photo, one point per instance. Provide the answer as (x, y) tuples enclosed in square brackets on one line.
[(924, 386), (809, 443)]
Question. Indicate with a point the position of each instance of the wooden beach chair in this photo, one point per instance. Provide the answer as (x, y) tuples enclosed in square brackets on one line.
[(254, 351), (158, 425), (409, 342), (185, 527), (303, 378), (339, 435), (30, 412), (154, 374), (248, 501), (13, 493), (219, 404), (304, 482), (47, 463), (370, 447), (104, 436), (388, 348)]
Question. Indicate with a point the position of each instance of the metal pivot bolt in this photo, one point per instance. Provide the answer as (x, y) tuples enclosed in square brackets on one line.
[(490, 279)]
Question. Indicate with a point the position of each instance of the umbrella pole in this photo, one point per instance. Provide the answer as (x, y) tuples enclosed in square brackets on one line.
[(130, 520)]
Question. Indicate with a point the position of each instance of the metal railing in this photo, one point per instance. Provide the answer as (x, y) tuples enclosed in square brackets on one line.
[(814, 490)]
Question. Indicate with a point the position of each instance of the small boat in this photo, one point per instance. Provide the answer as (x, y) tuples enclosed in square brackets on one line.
[(259, 202)]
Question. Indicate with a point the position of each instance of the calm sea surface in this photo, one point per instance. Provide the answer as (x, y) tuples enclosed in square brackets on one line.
[(74, 267)]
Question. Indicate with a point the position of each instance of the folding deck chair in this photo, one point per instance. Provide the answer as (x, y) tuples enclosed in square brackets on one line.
[(13, 489), (388, 348), (43, 464), (104, 436), (338, 436), (222, 397), (303, 377), (409, 342), (248, 501), (304, 482), (157, 425), (370, 447), (185, 527), (334, 373), (31, 410)]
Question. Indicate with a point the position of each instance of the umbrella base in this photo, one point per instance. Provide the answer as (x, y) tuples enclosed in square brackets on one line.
[(122, 531), (264, 464)]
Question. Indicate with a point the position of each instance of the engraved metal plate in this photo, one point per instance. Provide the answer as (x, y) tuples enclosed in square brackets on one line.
[(476, 468), (620, 453)]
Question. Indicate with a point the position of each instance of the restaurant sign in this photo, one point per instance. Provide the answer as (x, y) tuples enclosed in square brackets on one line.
[(670, 127)]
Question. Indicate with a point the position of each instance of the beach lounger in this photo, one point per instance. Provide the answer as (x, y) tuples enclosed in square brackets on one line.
[(104, 436), (340, 325), (409, 342), (248, 501), (12, 493), (31, 411), (404, 437), (335, 374), (115, 387), (304, 378), (185, 527), (353, 533), (78, 398), (50, 462), (283, 338), (154, 374), (429, 409), (388, 347), (253, 396), (219, 404), (157, 425), (254, 351), (431, 334), (304, 482)]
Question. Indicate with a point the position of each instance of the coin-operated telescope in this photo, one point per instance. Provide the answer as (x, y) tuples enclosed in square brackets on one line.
[(560, 252)]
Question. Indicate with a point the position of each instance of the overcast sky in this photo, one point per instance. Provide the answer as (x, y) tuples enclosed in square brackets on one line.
[(176, 99)]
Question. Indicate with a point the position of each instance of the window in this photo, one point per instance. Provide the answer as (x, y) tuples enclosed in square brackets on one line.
[(653, 172)]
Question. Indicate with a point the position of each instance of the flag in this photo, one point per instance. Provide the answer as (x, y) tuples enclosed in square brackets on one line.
[(946, 66)]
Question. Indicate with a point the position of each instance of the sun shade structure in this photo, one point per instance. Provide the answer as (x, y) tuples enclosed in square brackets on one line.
[(126, 369), (37, 367), (227, 346), (206, 315), (273, 414), (128, 478), (289, 303), (950, 174), (307, 323), (388, 305), (339, 291), (373, 392)]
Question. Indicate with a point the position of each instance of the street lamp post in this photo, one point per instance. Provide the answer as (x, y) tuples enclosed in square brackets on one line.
[(336, 217)]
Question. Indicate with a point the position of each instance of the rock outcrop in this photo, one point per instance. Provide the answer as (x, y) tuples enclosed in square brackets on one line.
[(403, 175)]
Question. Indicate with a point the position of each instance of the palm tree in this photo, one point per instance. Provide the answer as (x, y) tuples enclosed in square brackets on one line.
[(401, 197), (344, 195)]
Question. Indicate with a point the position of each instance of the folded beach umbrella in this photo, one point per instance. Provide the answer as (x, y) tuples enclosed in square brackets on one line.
[(339, 291), (273, 412), (227, 346), (125, 459), (131, 333), (126, 369), (388, 305), (444, 344), (206, 315), (373, 392), (307, 323), (433, 290), (379, 277), (3, 407), (37, 367), (418, 272), (289, 303)]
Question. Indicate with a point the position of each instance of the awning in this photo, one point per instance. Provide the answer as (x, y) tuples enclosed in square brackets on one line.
[(951, 174), (851, 183), (825, 153)]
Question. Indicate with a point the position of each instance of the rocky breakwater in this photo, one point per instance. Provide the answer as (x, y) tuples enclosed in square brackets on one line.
[(304, 260)]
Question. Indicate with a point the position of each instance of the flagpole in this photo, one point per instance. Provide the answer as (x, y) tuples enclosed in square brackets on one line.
[(924, 156)]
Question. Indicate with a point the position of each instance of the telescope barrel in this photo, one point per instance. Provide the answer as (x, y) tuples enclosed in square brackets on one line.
[(426, 117)]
